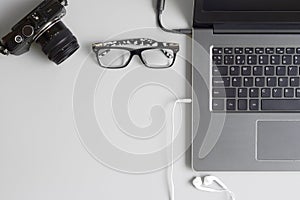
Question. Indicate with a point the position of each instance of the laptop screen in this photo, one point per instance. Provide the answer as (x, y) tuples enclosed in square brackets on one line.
[(251, 5), (210, 12)]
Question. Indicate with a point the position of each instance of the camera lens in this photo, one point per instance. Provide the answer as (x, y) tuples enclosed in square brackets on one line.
[(58, 43)]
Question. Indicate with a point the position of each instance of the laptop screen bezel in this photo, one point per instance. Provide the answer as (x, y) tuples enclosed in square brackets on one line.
[(204, 18)]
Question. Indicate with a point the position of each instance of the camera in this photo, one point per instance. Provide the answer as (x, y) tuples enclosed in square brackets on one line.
[(42, 25)]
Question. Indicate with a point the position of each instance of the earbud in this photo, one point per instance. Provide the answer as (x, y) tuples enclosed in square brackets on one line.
[(204, 183), (200, 185), (197, 182), (209, 180)]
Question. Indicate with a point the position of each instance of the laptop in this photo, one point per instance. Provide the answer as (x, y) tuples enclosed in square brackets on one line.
[(246, 81)]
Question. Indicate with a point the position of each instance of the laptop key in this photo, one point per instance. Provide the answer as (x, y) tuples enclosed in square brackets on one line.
[(259, 50), (246, 71), (257, 70), (252, 60), (259, 81), (296, 59), (290, 50), (248, 82), (224, 92), (243, 92), (254, 92), (220, 70), (277, 92), (280, 70), (269, 70), (292, 71), (289, 92), (249, 50), (243, 104), (229, 60), (279, 50), (218, 104), (234, 70), (217, 50), (275, 60), (228, 50), (298, 92), (298, 50), (295, 82), (254, 104), (217, 59), (286, 60), (271, 82), (231, 104), (240, 59), (239, 50), (270, 50), (221, 81), (283, 81), (266, 92), (263, 60), (280, 104), (236, 81)]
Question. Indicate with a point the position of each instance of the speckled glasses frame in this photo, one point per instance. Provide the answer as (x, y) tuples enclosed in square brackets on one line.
[(147, 44)]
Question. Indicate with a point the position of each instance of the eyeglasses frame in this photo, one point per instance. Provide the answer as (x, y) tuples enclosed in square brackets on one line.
[(115, 45)]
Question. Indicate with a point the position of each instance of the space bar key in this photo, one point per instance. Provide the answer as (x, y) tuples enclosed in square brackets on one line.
[(280, 104)]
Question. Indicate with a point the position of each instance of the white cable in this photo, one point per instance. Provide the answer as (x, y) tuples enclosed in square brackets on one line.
[(172, 186), (197, 182)]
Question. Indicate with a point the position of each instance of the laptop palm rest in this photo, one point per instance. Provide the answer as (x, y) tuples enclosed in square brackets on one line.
[(278, 141)]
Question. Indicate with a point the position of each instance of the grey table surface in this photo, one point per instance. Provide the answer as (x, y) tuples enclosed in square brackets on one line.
[(42, 155)]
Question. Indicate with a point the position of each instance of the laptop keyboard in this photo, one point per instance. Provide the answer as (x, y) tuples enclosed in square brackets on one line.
[(255, 79)]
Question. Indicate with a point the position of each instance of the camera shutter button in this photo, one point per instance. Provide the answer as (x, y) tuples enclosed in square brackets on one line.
[(28, 31)]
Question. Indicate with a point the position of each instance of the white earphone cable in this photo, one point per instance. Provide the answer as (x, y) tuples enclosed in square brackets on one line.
[(198, 183), (172, 185)]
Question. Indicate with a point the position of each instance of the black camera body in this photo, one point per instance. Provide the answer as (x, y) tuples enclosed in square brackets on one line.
[(43, 25)]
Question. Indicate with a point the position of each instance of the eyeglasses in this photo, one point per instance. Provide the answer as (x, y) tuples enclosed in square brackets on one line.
[(153, 54)]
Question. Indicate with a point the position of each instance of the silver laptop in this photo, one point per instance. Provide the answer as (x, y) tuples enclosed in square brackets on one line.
[(246, 81)]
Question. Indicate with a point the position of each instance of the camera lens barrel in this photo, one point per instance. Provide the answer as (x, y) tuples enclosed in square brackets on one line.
[(58, 43)]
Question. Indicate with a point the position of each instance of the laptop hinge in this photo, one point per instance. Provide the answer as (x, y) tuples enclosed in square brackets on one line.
[(257, 28)]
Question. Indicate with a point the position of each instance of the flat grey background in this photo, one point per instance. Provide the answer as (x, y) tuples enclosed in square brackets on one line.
[(41, 154)]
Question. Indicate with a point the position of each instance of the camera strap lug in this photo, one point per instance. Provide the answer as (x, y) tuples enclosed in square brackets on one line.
[(3, 50), (64, 2)]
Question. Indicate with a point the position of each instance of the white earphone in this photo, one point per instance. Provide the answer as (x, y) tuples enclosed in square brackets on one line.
[(200, 183), (204, 183)]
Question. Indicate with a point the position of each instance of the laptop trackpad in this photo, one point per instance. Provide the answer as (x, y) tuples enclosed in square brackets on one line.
[(278, 140)]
